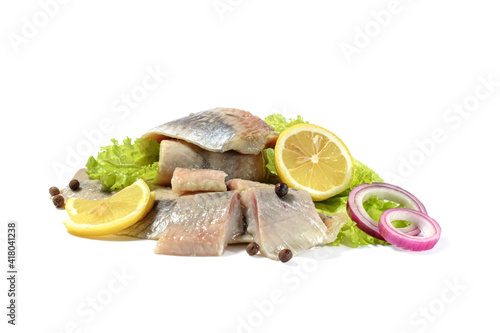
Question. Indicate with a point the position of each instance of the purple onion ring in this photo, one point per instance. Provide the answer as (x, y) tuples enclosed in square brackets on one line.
[(383, 191)]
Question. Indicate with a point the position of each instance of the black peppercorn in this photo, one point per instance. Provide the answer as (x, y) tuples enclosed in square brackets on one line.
[(281, 189), (54, 191), (253, 248), (58, 201), (285, 255), (74, 184)]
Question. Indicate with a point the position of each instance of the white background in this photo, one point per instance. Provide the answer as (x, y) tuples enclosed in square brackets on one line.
[(264, 57)]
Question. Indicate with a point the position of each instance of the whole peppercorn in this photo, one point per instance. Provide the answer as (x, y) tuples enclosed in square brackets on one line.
[(58, 201), (54, 191), (253, 248), (281, 189), (285, 255), (74, 184)]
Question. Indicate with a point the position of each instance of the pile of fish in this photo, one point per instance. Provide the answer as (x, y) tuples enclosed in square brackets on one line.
[(224, 139), (213, 162)]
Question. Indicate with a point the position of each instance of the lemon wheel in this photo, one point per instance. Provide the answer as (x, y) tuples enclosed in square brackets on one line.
[(110, 215), (311, 158)]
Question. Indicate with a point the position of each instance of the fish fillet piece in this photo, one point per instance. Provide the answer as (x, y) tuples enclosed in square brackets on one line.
[(241, 185), (155, 222), (150, 227), (90, 189), (220, 130), (291, 222), (202, 224), (198, 180), (333, 225), (180, 154)]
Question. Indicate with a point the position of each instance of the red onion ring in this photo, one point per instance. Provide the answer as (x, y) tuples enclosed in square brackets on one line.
[(430, 229), (383, 191)]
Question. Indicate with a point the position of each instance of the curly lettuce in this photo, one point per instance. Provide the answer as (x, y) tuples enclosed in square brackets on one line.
[(120, 165), (280, 123)]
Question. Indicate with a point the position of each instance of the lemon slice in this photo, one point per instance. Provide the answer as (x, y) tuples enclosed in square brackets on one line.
[(110, 215), (149, 206), (311, 158)]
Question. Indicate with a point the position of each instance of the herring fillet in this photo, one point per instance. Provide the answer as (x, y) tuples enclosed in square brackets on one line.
[(186, 181), (150, 227), (265, 227), (202, 225), (290, 222), (90, 189), (333, 225), (180, 154), (155, 222), (241, 185), (220, 130)]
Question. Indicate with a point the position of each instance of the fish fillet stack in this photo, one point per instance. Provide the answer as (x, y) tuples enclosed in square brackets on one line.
[(202, 213), (229, 140)]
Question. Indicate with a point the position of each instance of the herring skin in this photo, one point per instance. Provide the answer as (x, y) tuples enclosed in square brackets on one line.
[(90, 189), (220, 130), (156, 220), (291, 222), (202, 225)]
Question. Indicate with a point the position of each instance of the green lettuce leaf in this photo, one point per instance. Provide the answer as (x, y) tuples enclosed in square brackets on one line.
[(280, 123), (350, 234), (118, 166), (375, 208)]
